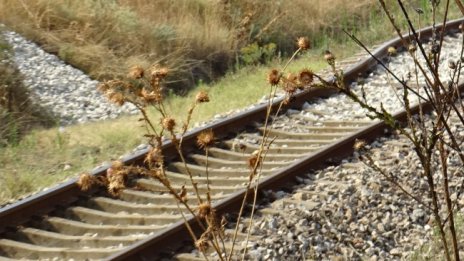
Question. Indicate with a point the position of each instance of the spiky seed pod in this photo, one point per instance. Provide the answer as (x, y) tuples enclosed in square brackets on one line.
[(151, 97), (329, 57), (86, 181), (291, 83), (117, 165), (391, 51), (136, 72), (306, 77), (412, 48), (154, 155), (359, 145), (116, 177), (204, 210), (168, 123), (205, 139), (116, 98), (202, 97), (274, 77), (202, 244), (451, 64), (103, 87), (303, 43), (159, 73)]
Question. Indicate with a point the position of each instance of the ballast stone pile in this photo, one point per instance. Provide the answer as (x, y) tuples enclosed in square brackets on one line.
[(351, 212), (63, 90)]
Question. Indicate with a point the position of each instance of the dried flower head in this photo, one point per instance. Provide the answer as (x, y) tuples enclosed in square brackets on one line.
[(291, 83), (202, 244), (201, 97), (159, 72), (116, 98), (136, 72), (151, 97), (85, 181), (274, 77), (359, 144), (117, 165), (306, 77), (103, 87), (116, 177), (204, 210), (451, 64), (205, 139), (391, 51), (412, 48), (168, 123), (154, 155), (329, 57), (303, 43)]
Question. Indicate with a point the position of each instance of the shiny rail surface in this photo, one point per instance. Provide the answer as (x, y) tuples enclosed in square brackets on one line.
[(65, 223)]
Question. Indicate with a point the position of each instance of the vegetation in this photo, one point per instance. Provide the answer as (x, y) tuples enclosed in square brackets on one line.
[(196, 39), (432, 139)]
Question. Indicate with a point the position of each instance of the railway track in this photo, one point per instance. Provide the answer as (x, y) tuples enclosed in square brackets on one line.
[(65, 223)]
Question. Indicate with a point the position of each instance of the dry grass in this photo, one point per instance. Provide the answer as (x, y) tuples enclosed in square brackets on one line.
[(198, 39)]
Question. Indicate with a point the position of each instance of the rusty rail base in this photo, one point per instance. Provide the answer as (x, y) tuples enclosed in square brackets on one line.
[(42, 203)]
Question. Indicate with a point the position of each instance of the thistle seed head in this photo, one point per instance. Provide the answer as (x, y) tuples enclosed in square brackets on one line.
[(154, 155), (116, 97), (303, 43), (359, 145), (151, 97), (205, 139), (168, 123), (136, 72), (306, 77), (158, 72), (391, 51), (329, 57), (274, 77), (202, 97), (291, 83), (85, 181), (204, 210)]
